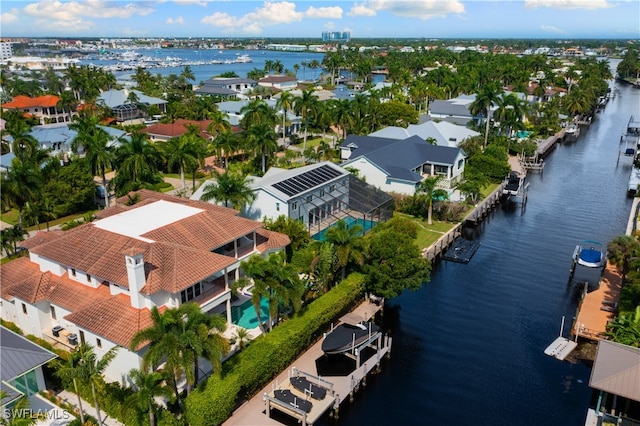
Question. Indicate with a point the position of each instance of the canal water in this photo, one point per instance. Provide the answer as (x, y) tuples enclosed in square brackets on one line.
[(468, 346)]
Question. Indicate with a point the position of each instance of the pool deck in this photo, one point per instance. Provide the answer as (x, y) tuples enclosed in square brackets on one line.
[(253, 411)]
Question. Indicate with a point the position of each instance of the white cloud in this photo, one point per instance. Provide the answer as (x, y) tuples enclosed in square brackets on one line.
[(330, 26), (551, 29), (568, 4), (220, 19), (271, 13), (324, 12), (421, 9), (361, 9), (191, 2), (179, 20), (74, 10), (8, 18)]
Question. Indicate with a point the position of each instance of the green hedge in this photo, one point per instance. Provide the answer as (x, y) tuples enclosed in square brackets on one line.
[(244, 374)]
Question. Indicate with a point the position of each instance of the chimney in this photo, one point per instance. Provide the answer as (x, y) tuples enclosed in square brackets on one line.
[(135, 276)]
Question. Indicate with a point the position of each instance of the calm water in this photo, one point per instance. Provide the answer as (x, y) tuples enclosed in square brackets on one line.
[(468, 346), (205, 72)]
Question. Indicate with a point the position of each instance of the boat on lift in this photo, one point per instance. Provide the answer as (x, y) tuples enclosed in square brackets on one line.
[(588, 263)]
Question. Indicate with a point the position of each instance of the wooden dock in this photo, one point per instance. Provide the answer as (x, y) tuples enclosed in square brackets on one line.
[(598, 307), (256, 411)]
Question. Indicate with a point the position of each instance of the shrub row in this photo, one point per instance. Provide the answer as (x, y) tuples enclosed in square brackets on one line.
[(250, 370)]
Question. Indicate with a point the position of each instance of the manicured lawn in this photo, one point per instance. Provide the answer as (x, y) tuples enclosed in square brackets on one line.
[(427, 234), (11, 217)]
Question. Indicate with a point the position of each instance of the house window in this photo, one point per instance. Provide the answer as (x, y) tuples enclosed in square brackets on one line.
[(88, 278), (441, 170), (82, 337), (460, 163), (294, 205), (277, 207), (98, 343), (190, 293), (332, 188), (322, 192), (73, 272), (309, 198), (24, 309), (53, 313)]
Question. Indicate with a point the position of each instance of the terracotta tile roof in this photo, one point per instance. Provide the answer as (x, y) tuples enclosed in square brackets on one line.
[(269, 240), (112, 318), (178, 255), (177, 128), (147, 196), (276, 79), (21, 102), (204, 230), (23, 279), (173, 268), (41, 238)]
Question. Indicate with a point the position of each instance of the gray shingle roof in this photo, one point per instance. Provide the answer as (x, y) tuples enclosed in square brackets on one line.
[(399, 157)]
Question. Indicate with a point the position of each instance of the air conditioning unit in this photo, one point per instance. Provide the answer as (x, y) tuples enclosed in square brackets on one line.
[(73, 339), (56, 330)]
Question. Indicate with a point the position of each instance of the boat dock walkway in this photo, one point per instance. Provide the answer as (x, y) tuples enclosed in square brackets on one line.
[(598, 307), (254, 411)]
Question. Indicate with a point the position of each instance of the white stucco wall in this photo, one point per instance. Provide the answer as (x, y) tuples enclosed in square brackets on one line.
[(265, 205), (378, 178)]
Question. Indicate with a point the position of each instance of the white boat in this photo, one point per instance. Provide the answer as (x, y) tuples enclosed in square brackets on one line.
[(573, 131), (588, 262), (243, 59)]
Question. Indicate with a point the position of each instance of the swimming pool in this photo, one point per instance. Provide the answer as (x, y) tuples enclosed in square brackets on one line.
[(366, 226), (245, 315)]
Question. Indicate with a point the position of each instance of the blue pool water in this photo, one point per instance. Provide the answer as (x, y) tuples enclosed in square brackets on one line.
[(366, 226), (245, 314)]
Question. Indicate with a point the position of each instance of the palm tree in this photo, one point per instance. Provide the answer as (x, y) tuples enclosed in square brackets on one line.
[(348, 243), (136, 163), (181, 152), (257, 112), (67, 103), (19, 414), (428, 187), (225, 143), (303, 105), (242, 336), (486, 98), (21, 184), (274, 280), (92, 370), (95, 142), (625, 328), (262, 140), (147, 386), (202, 337), (71, 370), (285, 102), (164, 343), (229, 188)]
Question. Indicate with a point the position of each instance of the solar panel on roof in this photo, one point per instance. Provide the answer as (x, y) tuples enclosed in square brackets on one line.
[(307, 180)]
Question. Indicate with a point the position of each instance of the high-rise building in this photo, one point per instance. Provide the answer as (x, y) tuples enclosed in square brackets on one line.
[(336, 36), (6, 51)]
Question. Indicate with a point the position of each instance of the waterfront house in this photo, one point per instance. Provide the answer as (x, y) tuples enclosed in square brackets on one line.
[(21, 361), (44, 108), (442, 133), (97, 283), (279, 82), (400, 165), (227, 87), (119, 101), (233, 110), (616, 377), (316, 195)]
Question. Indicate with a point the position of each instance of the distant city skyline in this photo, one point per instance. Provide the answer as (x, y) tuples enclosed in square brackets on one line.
[(554, 19)]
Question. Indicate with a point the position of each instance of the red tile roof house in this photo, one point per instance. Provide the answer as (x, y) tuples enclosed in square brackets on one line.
[(96, 283), (44, 108), (165, 131)]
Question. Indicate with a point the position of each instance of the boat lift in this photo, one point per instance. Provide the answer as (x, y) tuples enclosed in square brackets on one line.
[(561, 347)]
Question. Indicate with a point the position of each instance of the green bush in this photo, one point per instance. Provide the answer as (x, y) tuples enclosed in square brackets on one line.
[(244, 374)]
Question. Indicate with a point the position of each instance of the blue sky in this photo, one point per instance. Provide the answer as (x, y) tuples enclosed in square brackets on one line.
[(565, 19)]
